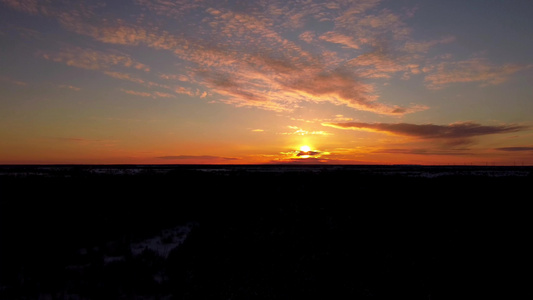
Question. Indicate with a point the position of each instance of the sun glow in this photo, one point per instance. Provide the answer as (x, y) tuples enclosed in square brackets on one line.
[(305, 148)]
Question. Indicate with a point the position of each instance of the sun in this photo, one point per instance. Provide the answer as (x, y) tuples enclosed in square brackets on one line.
[(305, 148)]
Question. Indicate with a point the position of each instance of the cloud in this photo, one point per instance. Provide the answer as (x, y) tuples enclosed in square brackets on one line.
[(303, 157), (341, 86), (196, 157), (28, 6), (456, 132), (337, 38), (377, 64), (123, 76), (415, 46), (70, 87), (515, 149), (308, 153), (425, 151), (473, 70), (137, 93), (163, 95), (254, 64), (373, 28), (303, 161), (173, 9), (243, 53), (353, 14), (307, 36), (299, 131), (93, 59), (12, 81), (153, 95)]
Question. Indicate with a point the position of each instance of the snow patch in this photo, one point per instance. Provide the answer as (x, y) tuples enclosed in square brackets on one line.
[(163, 244)]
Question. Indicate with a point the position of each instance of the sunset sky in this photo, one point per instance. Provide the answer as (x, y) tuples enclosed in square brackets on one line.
[(253, 82)]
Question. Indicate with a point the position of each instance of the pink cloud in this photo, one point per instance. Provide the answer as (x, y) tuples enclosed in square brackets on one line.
[(27, 6), (12, 81), (307, 36), (137, 93), (154, 95), (92, 59), (123, 76), (376, 65), (244, 55), (337, 38), (70, 87), (473, 70), (414, 46)]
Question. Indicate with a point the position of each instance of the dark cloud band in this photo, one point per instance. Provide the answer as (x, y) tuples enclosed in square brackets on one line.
[(431, 131)]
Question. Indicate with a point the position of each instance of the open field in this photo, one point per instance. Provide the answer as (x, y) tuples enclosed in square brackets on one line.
[(264, 232)]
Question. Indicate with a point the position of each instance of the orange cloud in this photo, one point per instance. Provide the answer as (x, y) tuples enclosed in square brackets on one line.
[(337, 38), (300, 131)]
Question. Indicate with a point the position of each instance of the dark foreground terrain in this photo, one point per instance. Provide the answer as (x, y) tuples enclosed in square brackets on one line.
[(265, 232)]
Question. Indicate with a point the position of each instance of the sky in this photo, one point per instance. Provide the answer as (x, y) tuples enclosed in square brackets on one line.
[(433, 82)]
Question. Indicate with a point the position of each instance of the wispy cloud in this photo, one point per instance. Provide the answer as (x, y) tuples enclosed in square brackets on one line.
[(27, 6), (124, 76), (477, 70), (12, 81), (338, 38), (377, 64), (92, 59), (137, 93), (153, 95), (299, 131), (418, 46), (70, 87), (272, 72), (243, 53), (173, 9)]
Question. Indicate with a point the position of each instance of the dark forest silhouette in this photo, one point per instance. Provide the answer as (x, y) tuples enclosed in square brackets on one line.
[(266, 232)]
